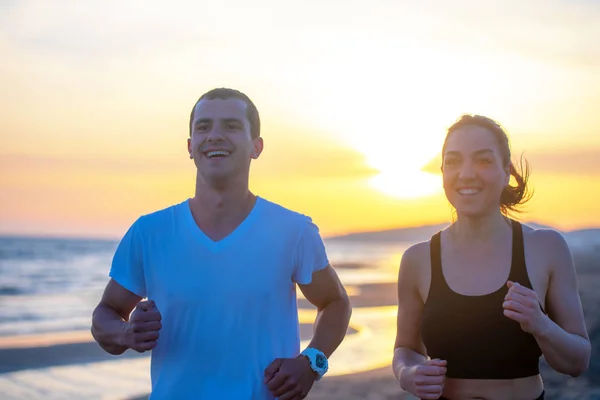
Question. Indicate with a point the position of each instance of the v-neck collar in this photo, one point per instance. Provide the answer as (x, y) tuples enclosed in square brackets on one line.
[(216, 246)]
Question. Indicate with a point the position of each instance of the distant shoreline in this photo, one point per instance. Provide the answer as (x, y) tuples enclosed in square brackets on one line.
[(409, 233)]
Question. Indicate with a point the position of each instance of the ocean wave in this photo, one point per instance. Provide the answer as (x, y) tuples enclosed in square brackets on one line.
[(10, 290)]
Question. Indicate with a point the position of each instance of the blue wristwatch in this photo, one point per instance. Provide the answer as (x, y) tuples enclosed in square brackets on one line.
[(318, 361)]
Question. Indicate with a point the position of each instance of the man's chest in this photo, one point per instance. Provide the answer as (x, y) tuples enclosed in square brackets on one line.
[(187, 273)]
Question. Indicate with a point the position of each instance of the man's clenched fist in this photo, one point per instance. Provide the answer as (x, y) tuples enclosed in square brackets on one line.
[(141, 331)]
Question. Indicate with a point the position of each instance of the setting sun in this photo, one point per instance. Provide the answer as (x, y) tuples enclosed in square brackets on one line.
[(407, 184), (397, 114), (400, 159)]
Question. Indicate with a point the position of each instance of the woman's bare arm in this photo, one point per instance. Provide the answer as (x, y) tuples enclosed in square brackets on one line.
[(564, 339), (409, 350)]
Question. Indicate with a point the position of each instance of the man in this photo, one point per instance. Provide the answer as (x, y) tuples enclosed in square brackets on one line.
[(219, 271)]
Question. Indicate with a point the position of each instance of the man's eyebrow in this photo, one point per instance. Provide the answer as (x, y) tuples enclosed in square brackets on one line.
[(483, 151), (206, 120), (232, 120)]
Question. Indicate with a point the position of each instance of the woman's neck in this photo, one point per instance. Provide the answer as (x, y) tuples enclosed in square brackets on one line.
[(479, 229)]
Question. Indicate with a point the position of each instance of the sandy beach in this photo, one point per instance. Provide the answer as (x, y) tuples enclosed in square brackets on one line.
[(70, 363)]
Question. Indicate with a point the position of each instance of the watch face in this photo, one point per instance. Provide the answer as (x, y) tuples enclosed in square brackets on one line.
[(320, 361)]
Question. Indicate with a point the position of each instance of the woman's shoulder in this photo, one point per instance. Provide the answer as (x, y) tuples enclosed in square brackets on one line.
[(547, 241), (417, 252), (416, 259), (544, 236)]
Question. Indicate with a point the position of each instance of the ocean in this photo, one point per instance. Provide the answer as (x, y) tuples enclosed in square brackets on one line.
[(50, 285)]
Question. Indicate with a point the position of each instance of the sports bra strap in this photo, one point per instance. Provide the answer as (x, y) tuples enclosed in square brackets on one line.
[(435, 250)]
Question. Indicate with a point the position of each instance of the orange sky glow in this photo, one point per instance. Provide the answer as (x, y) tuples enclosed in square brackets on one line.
[(354, 99)]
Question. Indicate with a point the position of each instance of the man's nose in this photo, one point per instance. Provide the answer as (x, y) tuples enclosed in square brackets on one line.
[(215, 134)]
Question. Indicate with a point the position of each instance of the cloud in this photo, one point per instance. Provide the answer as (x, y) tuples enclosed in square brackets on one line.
[(564, 31), (297, 155), (583, 162)]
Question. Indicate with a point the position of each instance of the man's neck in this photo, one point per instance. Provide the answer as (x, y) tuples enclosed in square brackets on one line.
[(220, 203)]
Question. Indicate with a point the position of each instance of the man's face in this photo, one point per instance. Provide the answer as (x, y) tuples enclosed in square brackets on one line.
[(221, 143)]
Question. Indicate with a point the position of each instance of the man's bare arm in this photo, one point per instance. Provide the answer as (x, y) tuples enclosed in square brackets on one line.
[(327, 293), (110, 316)]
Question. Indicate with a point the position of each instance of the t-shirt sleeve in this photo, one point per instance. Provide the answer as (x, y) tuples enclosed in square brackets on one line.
[(310, 255), (128, 264)]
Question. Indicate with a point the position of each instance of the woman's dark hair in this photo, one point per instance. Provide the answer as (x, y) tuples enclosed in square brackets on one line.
[(512, 196)]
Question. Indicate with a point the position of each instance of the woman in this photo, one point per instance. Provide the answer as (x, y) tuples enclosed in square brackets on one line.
[(480, 302)]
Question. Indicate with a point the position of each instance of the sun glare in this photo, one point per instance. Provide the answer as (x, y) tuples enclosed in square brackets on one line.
[(398, 117), (399, 150), (407, 186), (400, 163)]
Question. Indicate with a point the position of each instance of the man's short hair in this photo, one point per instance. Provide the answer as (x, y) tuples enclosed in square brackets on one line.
[(226, 93)]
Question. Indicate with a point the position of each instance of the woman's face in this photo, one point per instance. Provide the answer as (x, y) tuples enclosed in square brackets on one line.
[(473, 170)]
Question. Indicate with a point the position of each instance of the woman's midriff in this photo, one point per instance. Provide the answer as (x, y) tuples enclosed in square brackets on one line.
[(494, 389)]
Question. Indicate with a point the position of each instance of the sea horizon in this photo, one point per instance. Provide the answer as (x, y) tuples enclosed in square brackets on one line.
[(338, 236)]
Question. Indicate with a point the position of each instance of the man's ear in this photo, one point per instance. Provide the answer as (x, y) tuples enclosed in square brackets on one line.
[(258, 147)]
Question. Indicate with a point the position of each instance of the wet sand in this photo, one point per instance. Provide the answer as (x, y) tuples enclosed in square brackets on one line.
[(56, 353), (378, 384)]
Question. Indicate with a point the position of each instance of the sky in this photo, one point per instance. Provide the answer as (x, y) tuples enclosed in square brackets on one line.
[(354, 97)]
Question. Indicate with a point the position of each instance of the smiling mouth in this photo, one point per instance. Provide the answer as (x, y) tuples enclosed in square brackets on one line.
[(468, 191), (217, 154)]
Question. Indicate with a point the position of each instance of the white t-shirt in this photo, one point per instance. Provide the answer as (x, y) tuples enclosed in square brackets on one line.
[(228, 308)]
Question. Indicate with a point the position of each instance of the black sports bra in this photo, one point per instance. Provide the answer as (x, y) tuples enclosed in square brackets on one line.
[(471, 332)]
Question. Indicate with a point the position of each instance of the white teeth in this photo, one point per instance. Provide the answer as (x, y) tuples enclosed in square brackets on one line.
[(468, 191), (217, 153)]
